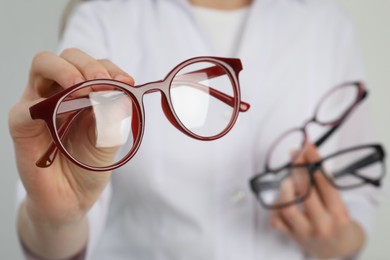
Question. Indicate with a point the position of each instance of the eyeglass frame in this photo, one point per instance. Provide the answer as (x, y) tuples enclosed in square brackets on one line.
[(47, 109), (312, 168), (362, 94)]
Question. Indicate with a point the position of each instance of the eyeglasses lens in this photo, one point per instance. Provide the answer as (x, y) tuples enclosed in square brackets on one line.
[(100, 119), (336, 103), (283, 187), (203, 98), (332, 108)]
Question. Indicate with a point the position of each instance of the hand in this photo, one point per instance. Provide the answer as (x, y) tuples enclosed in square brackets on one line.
[(321, 225), (58, 197)]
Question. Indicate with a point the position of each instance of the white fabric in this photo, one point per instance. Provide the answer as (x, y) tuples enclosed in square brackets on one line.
[(222, 27), (179, 198)]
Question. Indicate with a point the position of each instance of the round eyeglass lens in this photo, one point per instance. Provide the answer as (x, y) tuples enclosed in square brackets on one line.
[(286, 149), (203, 98), (336, 103), (101, 125)]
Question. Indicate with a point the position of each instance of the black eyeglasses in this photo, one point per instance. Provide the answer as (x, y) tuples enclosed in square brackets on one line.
[(346, 169), (334, 107)]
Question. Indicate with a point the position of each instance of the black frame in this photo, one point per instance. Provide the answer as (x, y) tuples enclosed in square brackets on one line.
[(378, 155)]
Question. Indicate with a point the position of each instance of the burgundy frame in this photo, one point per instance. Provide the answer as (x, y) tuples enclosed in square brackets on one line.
[(48, 109), (362, 94)]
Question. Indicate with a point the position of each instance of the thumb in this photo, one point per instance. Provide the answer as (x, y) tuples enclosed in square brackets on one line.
[(311, 153), (20, 123)]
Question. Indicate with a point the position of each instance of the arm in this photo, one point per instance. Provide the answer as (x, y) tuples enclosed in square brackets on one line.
[(40, 239), (358, 206), (52, 219)]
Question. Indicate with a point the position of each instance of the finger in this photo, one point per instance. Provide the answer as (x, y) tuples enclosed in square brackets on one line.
[(277, 223), (331, 199), (46, 69), (20, 123), (319, 217), (317, 214), (325, 188), (293, 218), (88, 66), (117, 73), (329, 195), (297, 156), (299, 176), (297, 222), (314, 207)]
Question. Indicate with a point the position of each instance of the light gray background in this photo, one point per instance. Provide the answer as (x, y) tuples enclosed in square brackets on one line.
[(28, 26)]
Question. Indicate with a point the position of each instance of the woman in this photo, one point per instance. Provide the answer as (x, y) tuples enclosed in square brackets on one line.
[(179, 198)]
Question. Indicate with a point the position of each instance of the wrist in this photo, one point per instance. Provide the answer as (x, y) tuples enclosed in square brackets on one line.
[(45, 219), (354, 240), (51, 239), (346, 242)]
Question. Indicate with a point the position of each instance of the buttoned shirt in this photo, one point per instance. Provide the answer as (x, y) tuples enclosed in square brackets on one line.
[(179, 198)]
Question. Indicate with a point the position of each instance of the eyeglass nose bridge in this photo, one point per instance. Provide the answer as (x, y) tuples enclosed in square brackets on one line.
[(151, 87), (307, 123), (305, 128), (160, 86), (324, 136)]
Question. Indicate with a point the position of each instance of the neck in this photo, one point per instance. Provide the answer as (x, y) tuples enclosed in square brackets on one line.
[(221, 4)]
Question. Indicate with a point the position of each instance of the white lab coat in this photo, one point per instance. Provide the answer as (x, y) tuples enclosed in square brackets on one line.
[(179, 198)]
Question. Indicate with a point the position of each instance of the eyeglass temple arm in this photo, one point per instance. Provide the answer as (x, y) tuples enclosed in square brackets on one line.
[(228, 100), (351, 169), (212, 72), (48, 157), (327, 134), (198, 75), (76, 106)]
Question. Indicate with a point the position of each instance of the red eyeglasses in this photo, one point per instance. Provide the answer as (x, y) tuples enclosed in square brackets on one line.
[(332, 110), (98, 124)]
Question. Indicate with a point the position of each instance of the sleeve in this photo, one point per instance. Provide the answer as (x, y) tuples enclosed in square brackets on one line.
[(84, 30), (359, 128), (96, 218)]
